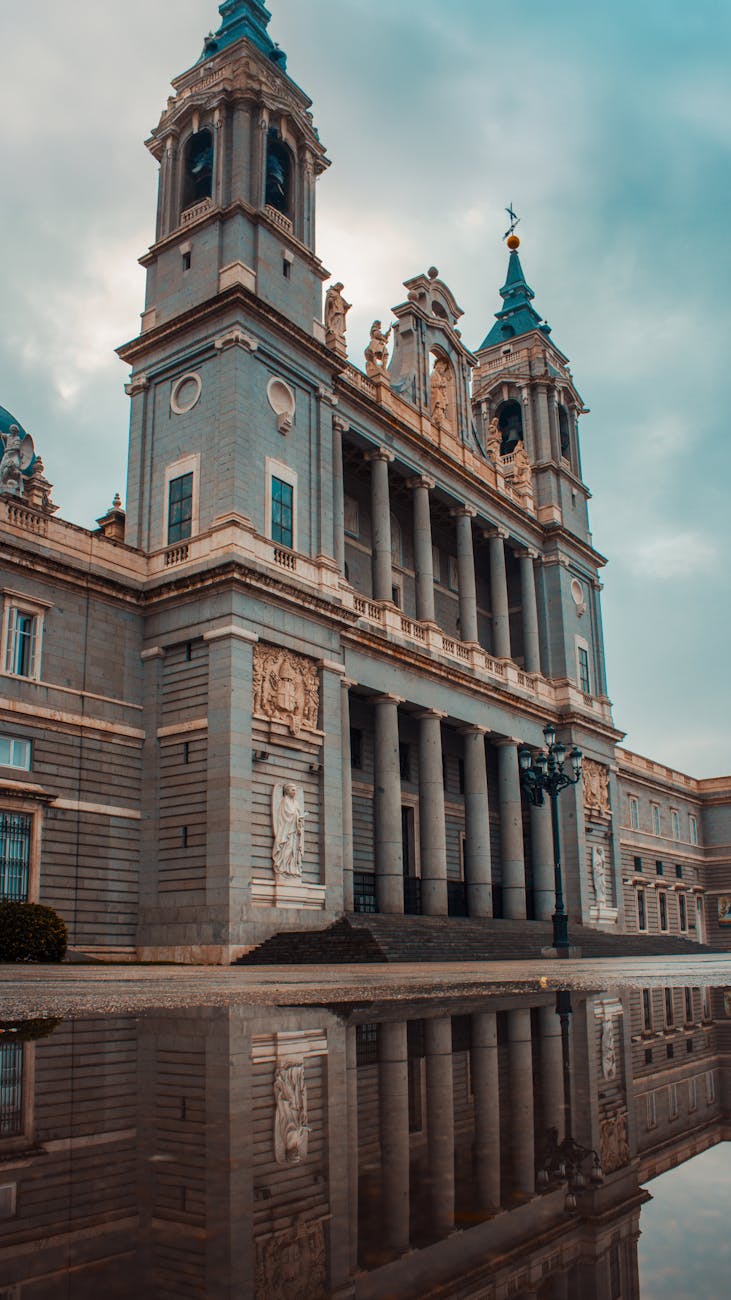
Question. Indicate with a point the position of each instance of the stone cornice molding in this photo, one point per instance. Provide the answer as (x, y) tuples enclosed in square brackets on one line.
[(137, 384), (236, 338), (238, 633)]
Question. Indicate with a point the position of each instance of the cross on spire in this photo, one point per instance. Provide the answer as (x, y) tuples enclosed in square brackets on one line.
[(514, 221)]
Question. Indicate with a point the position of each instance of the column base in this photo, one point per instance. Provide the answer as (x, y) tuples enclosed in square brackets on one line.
[(561, 954)]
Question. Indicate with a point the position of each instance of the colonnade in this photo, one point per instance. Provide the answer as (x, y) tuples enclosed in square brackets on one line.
[(464, 516), (387, 805)]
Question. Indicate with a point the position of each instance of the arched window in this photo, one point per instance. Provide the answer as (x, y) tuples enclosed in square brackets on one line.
[(198, 169), (510, 422), (278, 192), (564, 428)]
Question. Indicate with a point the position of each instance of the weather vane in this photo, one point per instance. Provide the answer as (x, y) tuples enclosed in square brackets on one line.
[(514, 221)]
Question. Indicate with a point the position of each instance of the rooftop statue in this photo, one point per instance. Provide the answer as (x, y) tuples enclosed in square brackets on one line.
[(439, 391), (376, 354), (494, 441), (11, 474), (336, 310)]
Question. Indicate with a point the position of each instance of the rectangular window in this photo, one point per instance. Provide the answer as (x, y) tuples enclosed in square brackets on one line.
[(356, 748), (634, 813), (584, 677), (282, 512), (404, 761), (682, 913), (15, 753), (655, 819), (648, 1056), (641, 910), (15, 836), (647, 1010), (662, 902), (669, 1009), (22, 645), (651, 1110), (675, 823), (679, 872), (352, 517), (692, 1094), (659, 869), (689, 1006), (638, 865), (710, 1087), (180, 509), (11, 1090), (693, 829), (706, 1003), (673, 1101), (670, 1051)]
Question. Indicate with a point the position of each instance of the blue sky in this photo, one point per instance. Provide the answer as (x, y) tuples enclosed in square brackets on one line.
[(607, 125)]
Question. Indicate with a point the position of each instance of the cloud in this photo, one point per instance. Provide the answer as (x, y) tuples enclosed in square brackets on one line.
[(673, 556)]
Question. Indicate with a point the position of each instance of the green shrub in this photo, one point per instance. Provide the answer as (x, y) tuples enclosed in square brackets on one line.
[(29, 932), (28, 1031)]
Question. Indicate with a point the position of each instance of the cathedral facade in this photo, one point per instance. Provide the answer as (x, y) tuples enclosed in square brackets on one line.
[(291, 677)]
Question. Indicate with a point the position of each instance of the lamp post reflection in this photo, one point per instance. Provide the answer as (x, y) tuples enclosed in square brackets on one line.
[(567, 1161)]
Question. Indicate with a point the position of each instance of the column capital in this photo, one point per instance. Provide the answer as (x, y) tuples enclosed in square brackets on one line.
[(525, 552), (463, 512), (496, 531), (330, 666), (508, 742), (387, 699), (380, 453), (421, 481), (348, 683), (327, 395), (340, 424), (473, 730), (430, 713)]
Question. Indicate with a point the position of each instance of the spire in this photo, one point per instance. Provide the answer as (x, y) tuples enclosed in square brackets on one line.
[(249, 18), (518, 316)]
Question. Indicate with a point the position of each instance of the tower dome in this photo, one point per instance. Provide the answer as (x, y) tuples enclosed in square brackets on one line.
[(6, 420)]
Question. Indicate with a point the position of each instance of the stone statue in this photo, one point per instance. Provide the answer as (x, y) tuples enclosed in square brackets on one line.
[(11, 477), (494, 440), (336, 310), (599, 875), (376, 354), (609, 1055), (288, 824), (291, 1130), (439, 392), (523, 477)]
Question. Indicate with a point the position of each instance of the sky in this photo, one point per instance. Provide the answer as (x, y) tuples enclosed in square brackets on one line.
[(684, 1252), (607, 125)]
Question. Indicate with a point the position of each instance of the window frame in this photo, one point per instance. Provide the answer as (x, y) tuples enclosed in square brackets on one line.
[(276, 469), (682, 912), (662, 911), (32, 607), (675, 823), (655, 815), (642, 910), (19, 807), (634, 812), (175, 470), (693, 829), (13, 741), (582, 647)]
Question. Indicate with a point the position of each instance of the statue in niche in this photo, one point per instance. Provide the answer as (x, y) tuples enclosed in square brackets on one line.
[(291, 1130), (286, 688), (336, 310), (288, 823), (439, 386), (523, 477), (494, 441), (11, 474), (596, 788), (376, 354), (609, 1055), (599, 874)]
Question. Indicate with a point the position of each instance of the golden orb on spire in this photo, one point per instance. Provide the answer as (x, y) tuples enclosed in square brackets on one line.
[(513, 243)]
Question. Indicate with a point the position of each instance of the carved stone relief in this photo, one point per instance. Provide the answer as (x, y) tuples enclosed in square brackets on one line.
[(596, 788), (286, 689), (609, 1053), (293, 1263), (288, 824), (614, 1150), (291, 1130)]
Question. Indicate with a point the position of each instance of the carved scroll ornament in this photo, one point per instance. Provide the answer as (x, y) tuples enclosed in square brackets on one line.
[(286, 688), (596, 788)]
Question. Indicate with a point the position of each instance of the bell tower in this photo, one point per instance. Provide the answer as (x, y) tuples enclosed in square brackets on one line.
[(239, 158)]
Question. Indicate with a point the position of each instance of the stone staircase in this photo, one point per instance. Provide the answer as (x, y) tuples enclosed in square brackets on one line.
[(358, 938)]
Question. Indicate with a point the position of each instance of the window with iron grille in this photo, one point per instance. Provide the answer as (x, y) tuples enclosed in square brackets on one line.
[(22, 657), (647, 1010), (180, 509), (15, 830), (364, 892), (366, 1044), (11, 1090), (282, 512)]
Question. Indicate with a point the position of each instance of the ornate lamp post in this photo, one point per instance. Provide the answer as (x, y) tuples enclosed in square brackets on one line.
[(565, 1162), (544, 774)]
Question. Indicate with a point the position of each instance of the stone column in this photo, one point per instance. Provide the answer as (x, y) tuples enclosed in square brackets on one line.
[(440, 1121), (552, 1070), (511, 831), (423, 558), (554, 425), (520, 1068), (543, 431), (544, 882), (467, 584), (388, 843), (486, 1093), (393, 1079), (529, 428), (433, 836), (348, 903), (499, 590), (531, 639), (339, 428), (381, 524), (478, 861)]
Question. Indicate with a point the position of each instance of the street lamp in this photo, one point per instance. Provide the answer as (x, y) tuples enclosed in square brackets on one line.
[(545, 773), (566, 1161)]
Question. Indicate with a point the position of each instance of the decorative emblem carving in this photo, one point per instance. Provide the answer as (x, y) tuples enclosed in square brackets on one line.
[(293, 1263), (614, 1143), (596, 788), (599, 874), (376, 354), (609, 1054), (288, 824), (286, 688), (291, 1130)]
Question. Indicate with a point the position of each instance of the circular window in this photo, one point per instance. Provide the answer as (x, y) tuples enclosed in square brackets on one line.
[(577, 592), (185, 394)]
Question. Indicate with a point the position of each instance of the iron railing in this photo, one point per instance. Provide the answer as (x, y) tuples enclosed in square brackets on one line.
[(15, 830), (11, 1090)]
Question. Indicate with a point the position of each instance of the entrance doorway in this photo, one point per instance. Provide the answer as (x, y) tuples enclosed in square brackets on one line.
[(412, 883)]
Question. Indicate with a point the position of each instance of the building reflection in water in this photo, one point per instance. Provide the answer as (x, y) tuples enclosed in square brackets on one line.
[(382, 1151)]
